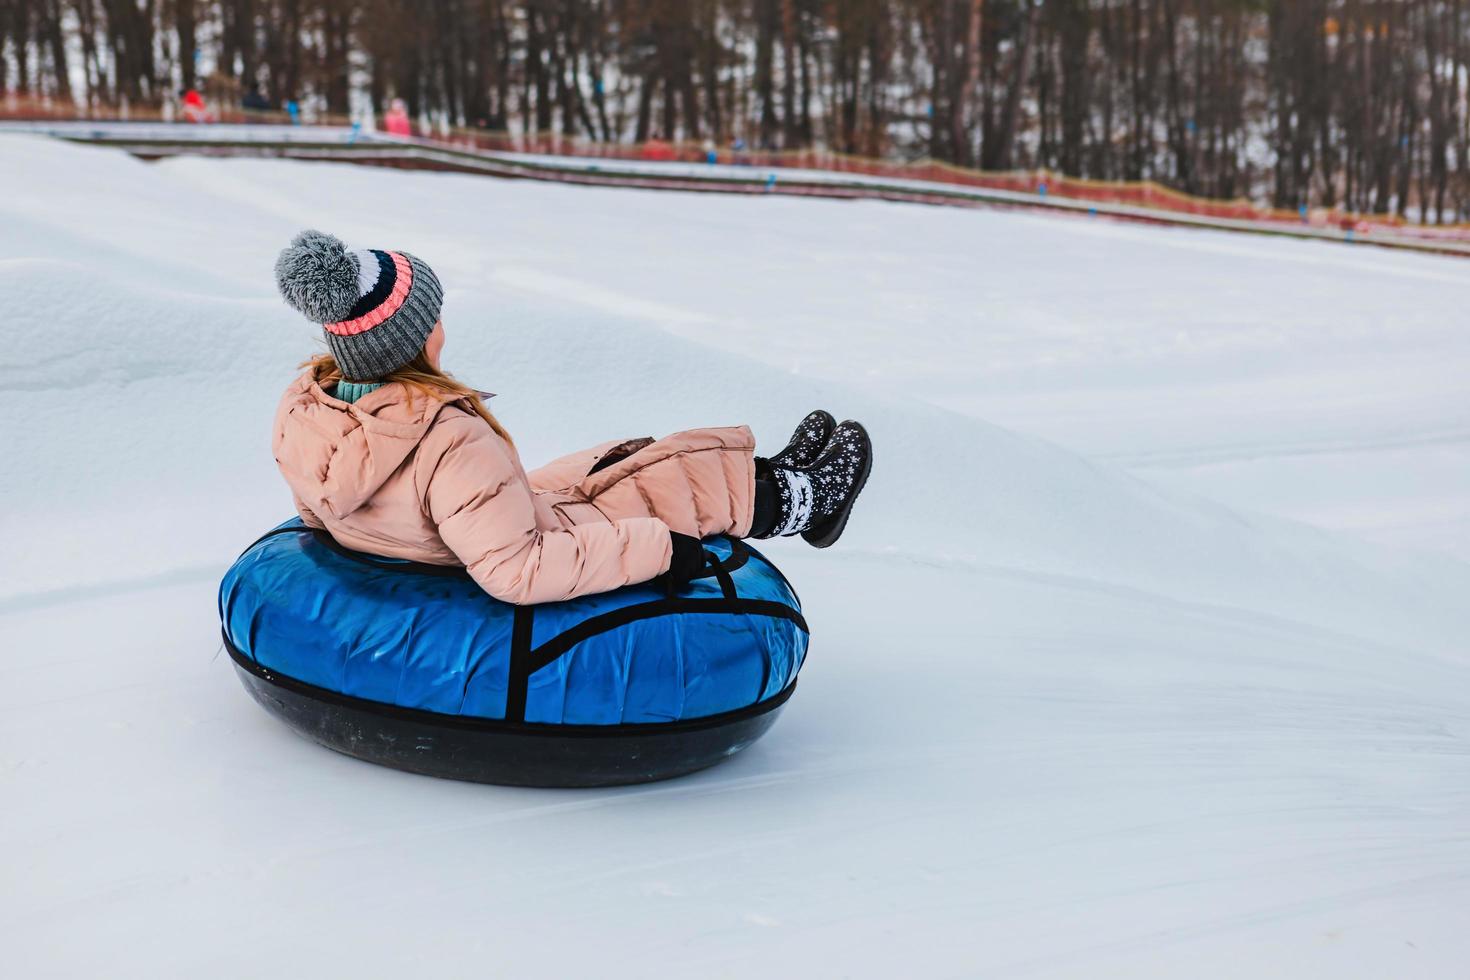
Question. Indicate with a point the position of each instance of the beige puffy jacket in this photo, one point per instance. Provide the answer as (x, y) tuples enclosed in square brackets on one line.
[(408, 476)]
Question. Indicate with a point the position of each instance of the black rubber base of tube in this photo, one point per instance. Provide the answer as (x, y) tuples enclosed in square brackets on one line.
[(508, 754)]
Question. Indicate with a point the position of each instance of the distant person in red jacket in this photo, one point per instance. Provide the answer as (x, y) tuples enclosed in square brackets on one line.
[(395, 120), (195, 111)]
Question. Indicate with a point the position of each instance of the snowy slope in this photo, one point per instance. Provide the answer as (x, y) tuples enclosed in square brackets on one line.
[(1070, 711)]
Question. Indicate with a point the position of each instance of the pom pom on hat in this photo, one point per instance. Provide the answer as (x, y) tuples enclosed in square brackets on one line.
[(318, 276)]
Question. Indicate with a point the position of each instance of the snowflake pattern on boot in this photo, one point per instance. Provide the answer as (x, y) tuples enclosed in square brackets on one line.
[(807, 442), (820, 490)]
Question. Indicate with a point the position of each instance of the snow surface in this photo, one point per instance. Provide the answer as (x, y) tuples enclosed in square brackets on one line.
[(1143, 656)]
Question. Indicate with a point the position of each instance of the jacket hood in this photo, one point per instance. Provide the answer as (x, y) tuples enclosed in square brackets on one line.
[(337, 455)]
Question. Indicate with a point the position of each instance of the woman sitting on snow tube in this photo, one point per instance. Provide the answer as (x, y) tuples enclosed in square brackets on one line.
[(387, 455)]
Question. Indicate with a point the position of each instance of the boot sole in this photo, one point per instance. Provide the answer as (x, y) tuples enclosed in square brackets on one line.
[(825, 535)]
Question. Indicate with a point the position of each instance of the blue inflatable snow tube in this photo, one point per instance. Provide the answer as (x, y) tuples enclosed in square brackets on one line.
[(414, 666)]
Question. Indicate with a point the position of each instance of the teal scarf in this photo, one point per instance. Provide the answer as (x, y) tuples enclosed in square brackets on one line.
[(351, 391)]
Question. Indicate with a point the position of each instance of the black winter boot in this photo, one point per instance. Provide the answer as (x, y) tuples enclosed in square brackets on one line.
[(838, 476), (807, 442), (815, 500)]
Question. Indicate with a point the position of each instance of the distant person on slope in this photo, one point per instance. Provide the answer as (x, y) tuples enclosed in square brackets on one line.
[(393, 456), (254, 100), (195, 110), (396, 121)]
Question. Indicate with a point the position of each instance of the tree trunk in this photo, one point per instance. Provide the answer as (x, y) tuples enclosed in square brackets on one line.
[(1005, 136)]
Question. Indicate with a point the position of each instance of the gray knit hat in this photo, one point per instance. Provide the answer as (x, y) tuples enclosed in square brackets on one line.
[(377, 308)]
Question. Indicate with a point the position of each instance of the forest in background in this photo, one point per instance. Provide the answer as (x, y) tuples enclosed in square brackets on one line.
[(1359, 105)]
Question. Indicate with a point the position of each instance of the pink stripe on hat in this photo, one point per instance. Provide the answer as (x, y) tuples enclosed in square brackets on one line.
[(385, 309)]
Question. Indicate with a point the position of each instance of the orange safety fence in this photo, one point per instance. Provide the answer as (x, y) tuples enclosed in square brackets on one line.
[(23, 108), (1142, 194)]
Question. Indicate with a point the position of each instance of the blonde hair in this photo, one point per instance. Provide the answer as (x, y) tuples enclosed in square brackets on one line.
[(418, 375)]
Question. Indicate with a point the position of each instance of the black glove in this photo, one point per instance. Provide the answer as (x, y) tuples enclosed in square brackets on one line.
[(687, 562)]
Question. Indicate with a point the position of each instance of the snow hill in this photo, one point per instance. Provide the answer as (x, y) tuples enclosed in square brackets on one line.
[(1144, 654)]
